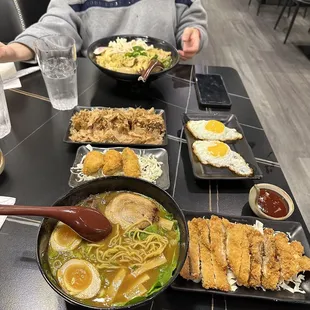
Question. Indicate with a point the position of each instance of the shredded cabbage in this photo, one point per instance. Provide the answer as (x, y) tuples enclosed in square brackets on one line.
[(289, 235), (296, 281), (232, 280), (259, 226), (150, 167)]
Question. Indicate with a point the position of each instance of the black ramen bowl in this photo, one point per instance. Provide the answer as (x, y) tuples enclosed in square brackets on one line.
[(157, 43), (100, 186)]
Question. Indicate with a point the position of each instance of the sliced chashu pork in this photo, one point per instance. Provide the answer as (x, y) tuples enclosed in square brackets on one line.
[(127, 209)]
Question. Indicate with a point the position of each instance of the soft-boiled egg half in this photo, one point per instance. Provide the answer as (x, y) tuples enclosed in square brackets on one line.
[(212, 130), (64, 238), (79, 278), (219, 154)]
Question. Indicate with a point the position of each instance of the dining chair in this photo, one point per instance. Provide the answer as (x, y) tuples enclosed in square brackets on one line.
[(259, 5), (289, 3), (17, 15)]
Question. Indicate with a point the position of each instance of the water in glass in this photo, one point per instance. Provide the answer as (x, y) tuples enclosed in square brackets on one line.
[(5, 123), (56, 55), (61, 82)]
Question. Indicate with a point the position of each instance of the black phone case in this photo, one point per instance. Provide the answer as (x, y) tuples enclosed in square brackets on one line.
[(211, 104)]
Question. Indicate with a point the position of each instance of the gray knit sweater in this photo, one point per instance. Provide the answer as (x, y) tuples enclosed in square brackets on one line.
[(89, 20)]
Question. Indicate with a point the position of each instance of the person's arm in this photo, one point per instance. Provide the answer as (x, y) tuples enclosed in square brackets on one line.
[(60, 18), (15, 52), (191, 32)]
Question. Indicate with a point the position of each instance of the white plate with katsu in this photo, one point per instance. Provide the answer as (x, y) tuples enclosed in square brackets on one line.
[(246, 257)]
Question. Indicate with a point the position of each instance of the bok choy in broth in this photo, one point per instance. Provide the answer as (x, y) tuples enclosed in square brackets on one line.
[(136, 260)]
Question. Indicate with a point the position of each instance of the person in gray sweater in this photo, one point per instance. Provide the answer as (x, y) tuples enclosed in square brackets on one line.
[(183, 23)]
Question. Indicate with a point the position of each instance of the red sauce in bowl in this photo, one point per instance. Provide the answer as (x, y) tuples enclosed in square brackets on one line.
[(272, 203)]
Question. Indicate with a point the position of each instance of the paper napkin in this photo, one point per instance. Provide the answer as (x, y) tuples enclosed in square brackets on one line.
[(5, 201), (8, 71)]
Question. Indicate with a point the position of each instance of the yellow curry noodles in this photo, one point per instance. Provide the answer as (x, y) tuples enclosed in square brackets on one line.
[(131, 57)]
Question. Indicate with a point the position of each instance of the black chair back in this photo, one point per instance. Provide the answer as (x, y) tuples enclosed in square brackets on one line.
[(16, 15)]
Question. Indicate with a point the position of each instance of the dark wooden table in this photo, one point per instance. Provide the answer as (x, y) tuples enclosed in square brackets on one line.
[(38, 168)]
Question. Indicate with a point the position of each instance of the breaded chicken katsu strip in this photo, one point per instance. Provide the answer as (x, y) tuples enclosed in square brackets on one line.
[(234, 236), (304, 264), (185, 271), (290, 255), (238, 251), (207, 269), (218, 253), (288, 258), (244, 272), (271, 265), (256, 251), (193, 250)]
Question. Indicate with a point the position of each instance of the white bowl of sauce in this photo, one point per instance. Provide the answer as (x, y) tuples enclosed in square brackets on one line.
[(272, 202)]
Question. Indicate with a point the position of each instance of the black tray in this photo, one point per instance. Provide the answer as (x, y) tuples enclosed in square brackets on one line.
[(208, 172), (296, 232), (79, 108), (160, 154)]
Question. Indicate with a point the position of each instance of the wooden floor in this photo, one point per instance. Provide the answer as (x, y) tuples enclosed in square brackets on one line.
[(276, 76)]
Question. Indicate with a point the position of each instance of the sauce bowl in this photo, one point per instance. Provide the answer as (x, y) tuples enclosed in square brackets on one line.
[(256, 209)]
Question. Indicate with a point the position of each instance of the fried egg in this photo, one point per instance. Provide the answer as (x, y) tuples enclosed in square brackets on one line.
[(79, 278), (64, 238), (219, 154), (212, 130)]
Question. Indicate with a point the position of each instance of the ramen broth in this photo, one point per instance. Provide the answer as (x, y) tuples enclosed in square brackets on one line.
[(154, 278)]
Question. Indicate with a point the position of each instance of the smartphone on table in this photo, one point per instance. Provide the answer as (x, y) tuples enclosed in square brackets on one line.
[(211, 90)]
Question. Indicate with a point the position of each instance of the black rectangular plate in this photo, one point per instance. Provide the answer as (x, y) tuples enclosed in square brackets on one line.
[(208, 172), (79, 108), (296, 232)]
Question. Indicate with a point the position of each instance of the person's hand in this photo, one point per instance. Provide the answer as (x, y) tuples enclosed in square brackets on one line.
[(6, 53), (15, 52), (191, 42)]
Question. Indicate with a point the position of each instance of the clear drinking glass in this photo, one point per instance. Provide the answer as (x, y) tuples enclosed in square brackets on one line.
[(5, 123), (56, 55)]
